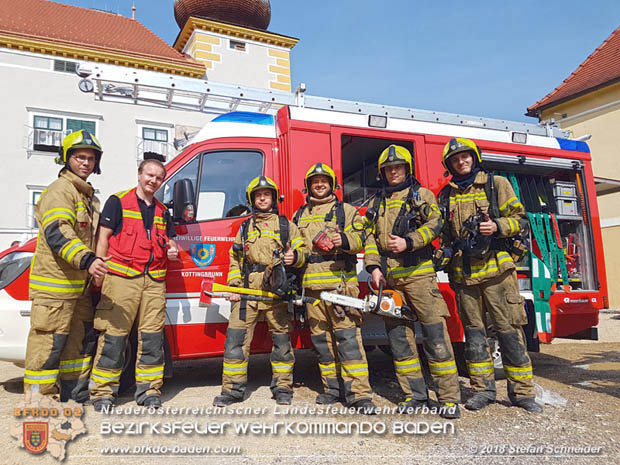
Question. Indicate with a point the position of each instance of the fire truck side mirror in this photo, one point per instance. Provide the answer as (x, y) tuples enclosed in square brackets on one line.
[(184, 201)]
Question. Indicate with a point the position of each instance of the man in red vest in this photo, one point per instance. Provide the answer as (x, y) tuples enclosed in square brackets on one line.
[(136, 233)]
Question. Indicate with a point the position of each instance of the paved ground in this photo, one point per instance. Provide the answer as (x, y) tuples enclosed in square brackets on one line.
[(586, 375)]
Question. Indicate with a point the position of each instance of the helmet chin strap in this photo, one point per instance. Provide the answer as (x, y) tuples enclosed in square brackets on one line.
[(68, 166)]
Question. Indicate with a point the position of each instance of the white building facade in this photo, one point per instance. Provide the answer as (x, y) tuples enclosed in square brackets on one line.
[(42, 102), (41, 105)]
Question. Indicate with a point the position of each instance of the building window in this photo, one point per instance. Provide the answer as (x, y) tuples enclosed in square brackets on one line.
[(47, 133), (160, 135), (154, 144), (65, 66), (47, 128), (77, 125), (236, 45), (34, 193), (47, 122)]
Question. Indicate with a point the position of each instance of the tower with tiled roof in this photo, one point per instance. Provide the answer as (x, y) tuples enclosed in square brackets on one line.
[(231, 35), (255, 14)]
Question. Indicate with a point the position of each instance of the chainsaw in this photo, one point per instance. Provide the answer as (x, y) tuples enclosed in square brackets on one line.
[(384, 302)]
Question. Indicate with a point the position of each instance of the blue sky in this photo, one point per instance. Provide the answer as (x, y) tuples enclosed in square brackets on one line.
[(479, 57)]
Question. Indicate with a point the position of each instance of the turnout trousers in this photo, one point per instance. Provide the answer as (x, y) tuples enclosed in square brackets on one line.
[(342, 358), (425, 299), (123, 302), (500, 297), (237, 348), (61, 344)]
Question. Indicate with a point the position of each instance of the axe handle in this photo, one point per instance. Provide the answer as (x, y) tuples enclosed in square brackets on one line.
[(242, 290)]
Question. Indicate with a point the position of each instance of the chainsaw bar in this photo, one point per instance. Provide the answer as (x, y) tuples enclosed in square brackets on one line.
[(390, 306)]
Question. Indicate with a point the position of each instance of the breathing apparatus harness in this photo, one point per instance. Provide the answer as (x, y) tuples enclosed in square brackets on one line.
[(412, 215)]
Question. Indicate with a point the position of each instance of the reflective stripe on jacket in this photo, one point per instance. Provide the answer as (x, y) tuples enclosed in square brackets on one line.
[(464, 204), (328, 274), (263, 240), (67, 214), (378, 235)]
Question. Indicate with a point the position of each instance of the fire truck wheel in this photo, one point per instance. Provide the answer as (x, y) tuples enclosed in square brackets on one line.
[(128, 377)]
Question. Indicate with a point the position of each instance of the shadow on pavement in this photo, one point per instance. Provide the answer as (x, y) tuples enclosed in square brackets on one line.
[(595, 370)]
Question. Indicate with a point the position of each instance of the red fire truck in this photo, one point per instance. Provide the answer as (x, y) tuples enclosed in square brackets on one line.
[(551, 174)]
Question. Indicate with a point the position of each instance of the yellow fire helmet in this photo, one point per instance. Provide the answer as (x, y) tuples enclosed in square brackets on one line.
[(458, 145), (81, 139), (395, 155), (320, 168), (262, 182)]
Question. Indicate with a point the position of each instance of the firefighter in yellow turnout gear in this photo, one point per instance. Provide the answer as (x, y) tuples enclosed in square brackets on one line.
[(486, 279), (61, 342), (333, 234), (251, 257), (403, 220)]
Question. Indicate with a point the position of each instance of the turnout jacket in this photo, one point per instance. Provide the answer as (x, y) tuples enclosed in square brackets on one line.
[(263, 238), (326, 270), (67, 214), (462, 205), (378, 235)]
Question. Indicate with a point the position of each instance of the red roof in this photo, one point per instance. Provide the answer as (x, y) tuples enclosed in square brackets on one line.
[(601, 68), (92, 29)]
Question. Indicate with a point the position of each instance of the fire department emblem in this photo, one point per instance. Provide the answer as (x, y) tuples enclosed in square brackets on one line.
[(202, 254), (35, 436)]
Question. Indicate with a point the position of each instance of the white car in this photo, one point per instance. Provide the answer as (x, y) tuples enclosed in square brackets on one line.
[(14, 302)]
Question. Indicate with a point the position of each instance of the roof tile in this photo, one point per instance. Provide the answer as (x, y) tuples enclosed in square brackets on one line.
[(601, 67), (47, 20)]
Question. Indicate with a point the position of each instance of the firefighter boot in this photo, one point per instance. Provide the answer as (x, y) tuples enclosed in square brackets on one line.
[(283, 396), (225, 399), (103, 404), (325, 398), (528, 404), (411, 406), (478, 401), (364, 406), (152, 402), (449, 410)]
